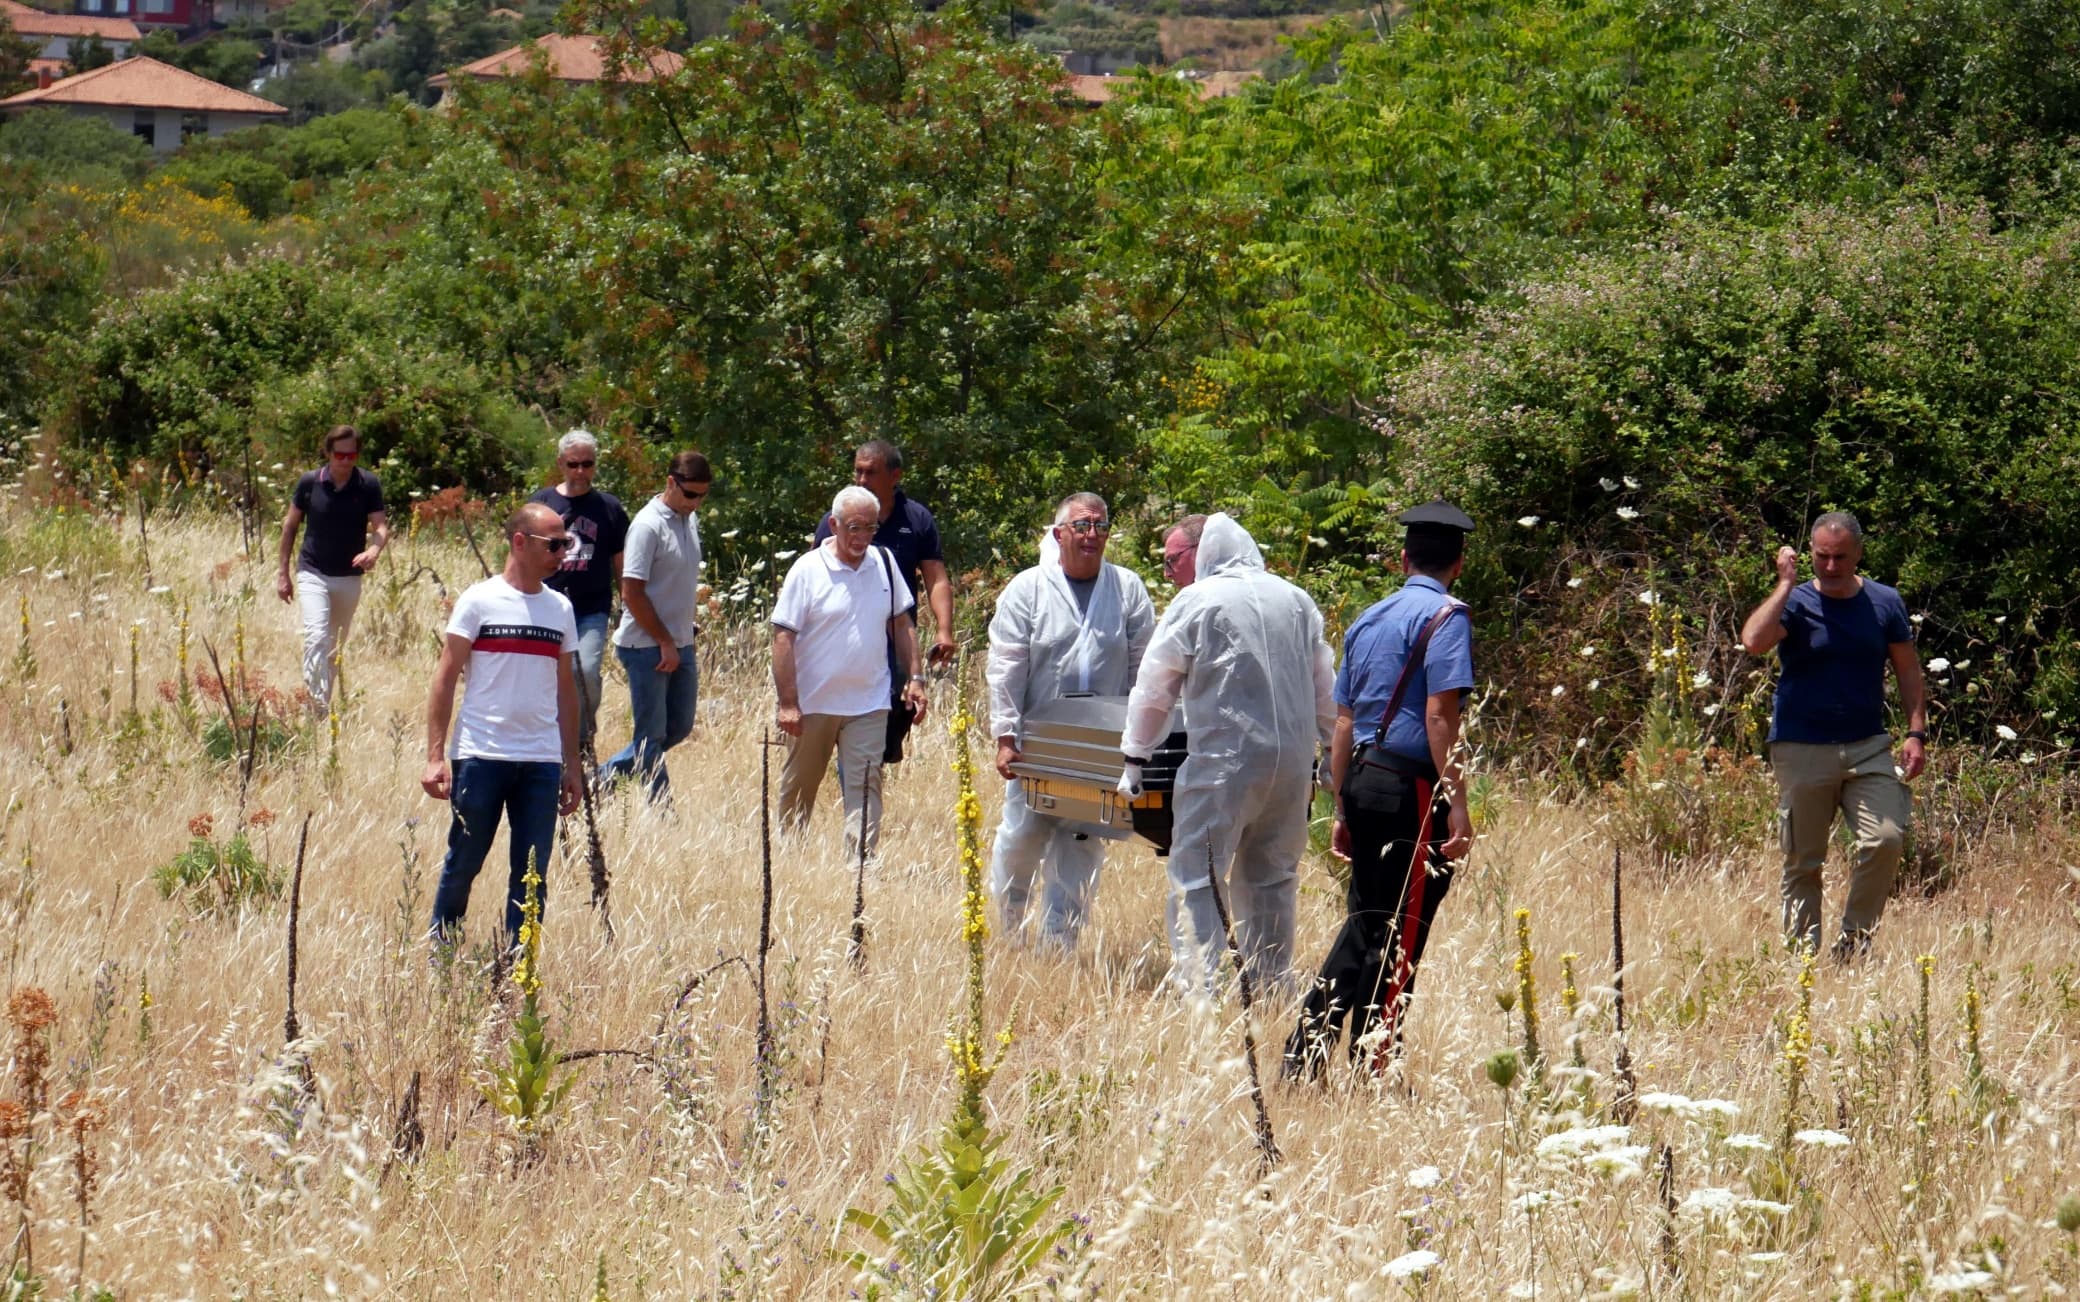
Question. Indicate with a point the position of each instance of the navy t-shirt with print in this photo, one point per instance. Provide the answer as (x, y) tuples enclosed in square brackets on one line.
[(599, 523), (910, 535), (335, 520), (1831, 689)]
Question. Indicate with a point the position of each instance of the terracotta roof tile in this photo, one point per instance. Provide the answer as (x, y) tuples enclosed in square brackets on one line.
[(571, 58), (146, 83), (35, 22)]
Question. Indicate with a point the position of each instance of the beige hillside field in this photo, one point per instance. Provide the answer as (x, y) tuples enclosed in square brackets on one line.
[(220, 1178)]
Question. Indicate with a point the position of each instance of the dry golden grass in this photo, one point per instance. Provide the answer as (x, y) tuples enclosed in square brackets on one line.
[(1132, 1100)]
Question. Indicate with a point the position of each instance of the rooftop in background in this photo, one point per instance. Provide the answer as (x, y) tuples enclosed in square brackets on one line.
[(145, 83), (1095, 90), (571, 58), (35, 22)]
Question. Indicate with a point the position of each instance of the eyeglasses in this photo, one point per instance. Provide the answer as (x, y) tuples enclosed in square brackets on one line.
[(1088, 527), (586, 464), (338, 455), (1173, 563), (556, 546), (853, 527)]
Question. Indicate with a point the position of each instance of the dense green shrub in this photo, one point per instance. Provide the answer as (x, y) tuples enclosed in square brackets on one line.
[(1654, 423), (65, 147)]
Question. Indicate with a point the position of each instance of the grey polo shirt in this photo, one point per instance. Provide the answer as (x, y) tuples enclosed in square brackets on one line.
[(664, 551)]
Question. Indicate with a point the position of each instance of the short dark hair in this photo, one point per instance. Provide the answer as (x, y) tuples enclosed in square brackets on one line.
[(888, 454), (1433, 552), (335, 434), (1191, 527), (523, 515), (691, 467)]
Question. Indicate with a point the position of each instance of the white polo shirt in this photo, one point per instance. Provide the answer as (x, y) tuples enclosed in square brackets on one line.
[(839, 616)]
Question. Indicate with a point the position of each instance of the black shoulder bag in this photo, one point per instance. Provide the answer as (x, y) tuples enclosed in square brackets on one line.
[(899, 716)]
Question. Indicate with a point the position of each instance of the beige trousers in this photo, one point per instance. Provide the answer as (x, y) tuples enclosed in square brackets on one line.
[(857, 740), (1859, 780)]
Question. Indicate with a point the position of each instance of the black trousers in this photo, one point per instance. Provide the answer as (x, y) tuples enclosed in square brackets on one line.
[(1370, 972)]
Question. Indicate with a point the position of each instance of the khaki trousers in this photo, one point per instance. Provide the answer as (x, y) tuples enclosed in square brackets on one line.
[(857, 740), (1813, 782)]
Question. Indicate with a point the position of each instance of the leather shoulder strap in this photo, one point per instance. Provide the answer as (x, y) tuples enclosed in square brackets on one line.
[(1413, 663)]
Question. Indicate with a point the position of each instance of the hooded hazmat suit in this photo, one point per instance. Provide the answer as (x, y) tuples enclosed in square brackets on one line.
[(1244, 650), (1043, 645)]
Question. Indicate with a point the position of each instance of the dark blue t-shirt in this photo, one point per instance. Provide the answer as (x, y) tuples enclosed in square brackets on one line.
[(600, 524), (1377, 646), (909, 534), (335, 520), (1832, 687)]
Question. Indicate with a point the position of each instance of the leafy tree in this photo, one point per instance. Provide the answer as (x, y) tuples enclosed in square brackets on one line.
[(866, 222), (225, 59), (85, 56), (260, 187), (50, 272), (16, 51), (315, 88)]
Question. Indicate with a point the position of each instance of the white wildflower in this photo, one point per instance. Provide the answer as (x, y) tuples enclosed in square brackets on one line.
[(2004, 732), (1411, 1265), (1595, 683), (731, 533), (1559, 689), (1662, 1101), (1586, 652), (1765, 1206), (1765, 1258), (1700, 679), (1939, 665), (1527, 520), (785, 556), (1747, 1143), (1712, 1200), (1424, 1177), (1617, 1164), (1822, 1138), (1961, 1281), (1581, 743), (1627, 513), (159, 591), (1916, 619), (1584, 1139), (1964, 664), (1649, 598), (1574, 583), (1608, 485), (1711, 709), (2029, 757), (52, 576), (1531, 1202), (1723, 1108)]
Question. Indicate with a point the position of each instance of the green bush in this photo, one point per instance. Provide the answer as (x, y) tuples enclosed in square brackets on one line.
[(65, 146), (1663, 418), (260, 187), (219, 876)]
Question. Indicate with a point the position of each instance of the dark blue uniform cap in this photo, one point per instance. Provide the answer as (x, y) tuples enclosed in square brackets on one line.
[(1436, 518)]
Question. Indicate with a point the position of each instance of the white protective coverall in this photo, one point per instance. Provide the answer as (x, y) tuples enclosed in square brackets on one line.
[(1244, 650), (1041, 646)]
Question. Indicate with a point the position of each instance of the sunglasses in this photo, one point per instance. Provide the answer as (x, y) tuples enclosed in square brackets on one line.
[(580, 465), (556, 546), (355, 455), (1088, 527), (688, 487)]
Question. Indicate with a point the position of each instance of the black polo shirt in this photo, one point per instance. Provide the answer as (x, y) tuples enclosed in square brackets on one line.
[(910, 535), (335, 520)]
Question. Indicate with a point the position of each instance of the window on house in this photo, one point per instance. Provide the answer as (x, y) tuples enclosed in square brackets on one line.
[(90, 6), (158, 6), (192, 125), (144, 124)]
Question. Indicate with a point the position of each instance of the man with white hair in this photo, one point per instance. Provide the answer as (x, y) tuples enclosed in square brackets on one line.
[(598, 526), (841, 606), (1072, 624), (1243, 649)]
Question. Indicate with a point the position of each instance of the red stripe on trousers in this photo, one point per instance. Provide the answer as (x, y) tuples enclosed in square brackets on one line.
[(1411, 932)]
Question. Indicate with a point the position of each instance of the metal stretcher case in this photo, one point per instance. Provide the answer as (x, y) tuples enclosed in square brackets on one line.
[(1069, 767)]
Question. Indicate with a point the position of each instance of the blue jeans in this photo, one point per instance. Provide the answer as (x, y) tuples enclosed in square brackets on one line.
[(592, 650), (662, 706), (527, 792)]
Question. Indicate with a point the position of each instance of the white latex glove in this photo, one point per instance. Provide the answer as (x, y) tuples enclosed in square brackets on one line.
[(1130, 781)]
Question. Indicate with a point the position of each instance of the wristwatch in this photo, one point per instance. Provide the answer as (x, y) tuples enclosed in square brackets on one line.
[(1918, 734)]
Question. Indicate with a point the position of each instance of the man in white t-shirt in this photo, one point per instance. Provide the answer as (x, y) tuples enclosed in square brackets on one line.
[(840, 608), (515, 747)]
